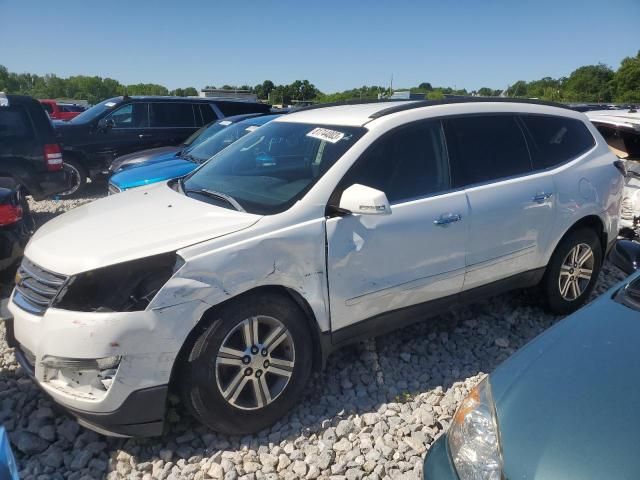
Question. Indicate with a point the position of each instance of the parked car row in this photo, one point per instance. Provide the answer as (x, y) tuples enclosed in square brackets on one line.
[(163, 166), (392, 210), (122, 125), (61, 110)]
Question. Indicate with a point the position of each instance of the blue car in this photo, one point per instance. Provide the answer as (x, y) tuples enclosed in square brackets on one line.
[(565, 406), (171, 152), (163, 168)]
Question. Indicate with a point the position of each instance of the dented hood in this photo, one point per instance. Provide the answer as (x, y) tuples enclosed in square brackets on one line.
[(129, 225)]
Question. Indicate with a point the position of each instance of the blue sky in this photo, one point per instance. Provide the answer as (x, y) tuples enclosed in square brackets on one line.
[(334, 44)]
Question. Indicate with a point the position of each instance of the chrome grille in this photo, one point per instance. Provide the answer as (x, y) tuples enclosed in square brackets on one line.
[(113, 189), (36, 288)]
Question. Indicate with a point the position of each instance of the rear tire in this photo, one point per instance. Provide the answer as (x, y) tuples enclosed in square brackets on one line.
[(78, 175), (249, 366), (572, 272)]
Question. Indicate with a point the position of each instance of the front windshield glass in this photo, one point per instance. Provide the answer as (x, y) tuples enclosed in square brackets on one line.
[(222, 139), (205, 132), (95, 111), (271, 168)]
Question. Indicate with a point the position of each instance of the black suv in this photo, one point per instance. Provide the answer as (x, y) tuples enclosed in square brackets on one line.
[(30, 156), (124, 125)]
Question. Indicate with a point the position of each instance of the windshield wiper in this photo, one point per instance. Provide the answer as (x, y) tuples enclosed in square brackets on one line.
[(221, 196)]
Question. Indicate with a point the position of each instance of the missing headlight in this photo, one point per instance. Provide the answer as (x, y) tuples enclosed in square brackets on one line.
[(124, 287)]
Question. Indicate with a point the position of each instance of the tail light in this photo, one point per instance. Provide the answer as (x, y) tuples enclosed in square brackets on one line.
[(10, 214), (53, 157)]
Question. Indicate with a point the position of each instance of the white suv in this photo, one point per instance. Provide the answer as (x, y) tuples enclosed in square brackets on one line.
[(234, 283)]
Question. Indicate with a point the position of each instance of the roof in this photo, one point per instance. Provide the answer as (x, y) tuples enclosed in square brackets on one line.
[(360, 113), (168, 98)]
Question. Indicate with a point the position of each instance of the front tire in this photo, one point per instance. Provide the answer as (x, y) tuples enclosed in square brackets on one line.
[(249, 366), (572, 272)]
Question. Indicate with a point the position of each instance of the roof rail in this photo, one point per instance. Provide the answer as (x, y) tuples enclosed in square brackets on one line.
[(350, 102), (448, 101)]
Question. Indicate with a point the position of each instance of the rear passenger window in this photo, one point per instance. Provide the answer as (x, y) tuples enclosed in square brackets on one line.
[(208, 115), (407, 163), (555, 140), (172, 115), (14, 123), (485, 148)]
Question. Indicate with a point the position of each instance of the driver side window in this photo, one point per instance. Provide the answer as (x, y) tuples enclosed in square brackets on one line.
[(132, 115), (407, 163)]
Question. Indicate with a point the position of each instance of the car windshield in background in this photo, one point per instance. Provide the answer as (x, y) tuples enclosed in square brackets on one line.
[(225, 137), (95, 111), (205, 133), (271, 168)]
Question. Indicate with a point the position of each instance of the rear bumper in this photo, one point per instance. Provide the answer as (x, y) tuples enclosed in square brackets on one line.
[(141, 414), (47, 184), (437, 463)]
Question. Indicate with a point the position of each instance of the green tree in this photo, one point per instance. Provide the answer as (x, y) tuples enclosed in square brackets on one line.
[(626, 80), (591, 83)]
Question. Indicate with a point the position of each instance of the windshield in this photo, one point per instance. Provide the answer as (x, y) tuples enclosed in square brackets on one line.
[(205, 133), (95, 111), (222, 139), (269, 169)]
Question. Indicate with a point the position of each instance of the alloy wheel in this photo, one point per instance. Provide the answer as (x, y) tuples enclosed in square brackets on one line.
[(255, 362), (576, 272)]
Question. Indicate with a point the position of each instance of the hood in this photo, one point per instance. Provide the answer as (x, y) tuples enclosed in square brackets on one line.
[(567, 403), (152, 172), (151, 154), (130, 225)]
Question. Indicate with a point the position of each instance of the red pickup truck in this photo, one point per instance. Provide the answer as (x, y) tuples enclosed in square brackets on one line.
[(60, 110)]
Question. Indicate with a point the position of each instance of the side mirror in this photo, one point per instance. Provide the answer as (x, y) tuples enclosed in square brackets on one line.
[(625, 255), (364, 200), (106, 123)]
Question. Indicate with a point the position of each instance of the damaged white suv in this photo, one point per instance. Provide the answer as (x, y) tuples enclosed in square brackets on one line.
[(233, 284)]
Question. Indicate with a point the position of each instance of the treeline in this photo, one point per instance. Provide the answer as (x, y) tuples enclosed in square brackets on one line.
[(79, 87), (591, 83)]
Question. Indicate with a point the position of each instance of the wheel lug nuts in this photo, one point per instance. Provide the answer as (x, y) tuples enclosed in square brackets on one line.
[(266, 364), (264, 352), (258, 373), (246, 359), (248, 372), (254, 349)]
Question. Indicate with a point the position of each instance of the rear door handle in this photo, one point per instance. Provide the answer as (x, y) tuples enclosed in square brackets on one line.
[(541, 197), (144, 135), (447, 218)]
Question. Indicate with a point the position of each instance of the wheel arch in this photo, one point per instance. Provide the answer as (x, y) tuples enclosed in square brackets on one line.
[(320, 341), (593, 222)]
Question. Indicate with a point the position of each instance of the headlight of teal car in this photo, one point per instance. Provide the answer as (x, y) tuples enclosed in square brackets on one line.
[(474, 438)]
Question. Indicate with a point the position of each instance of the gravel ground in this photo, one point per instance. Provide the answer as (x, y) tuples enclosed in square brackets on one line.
[(373, 413)]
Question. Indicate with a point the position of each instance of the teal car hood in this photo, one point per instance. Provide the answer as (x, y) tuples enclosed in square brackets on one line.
[(568, 403), (152, 172)]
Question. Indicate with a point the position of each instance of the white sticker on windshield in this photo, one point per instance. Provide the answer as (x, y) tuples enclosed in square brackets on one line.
[(326, 134), (225, 122), (251, 128), (110, 104)]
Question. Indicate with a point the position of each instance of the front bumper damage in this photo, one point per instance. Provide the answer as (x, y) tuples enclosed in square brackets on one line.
[(109, 370)]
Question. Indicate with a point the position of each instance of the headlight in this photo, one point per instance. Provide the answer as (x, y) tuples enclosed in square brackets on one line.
[(123, 287), (474, 438), (629, 295)]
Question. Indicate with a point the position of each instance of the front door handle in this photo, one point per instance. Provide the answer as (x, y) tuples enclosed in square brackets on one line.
[(447, 218), (144, 135), (541, 197)]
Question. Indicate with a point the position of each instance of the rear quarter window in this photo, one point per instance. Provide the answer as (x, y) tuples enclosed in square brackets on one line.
[(15, 123), (556, 140)]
